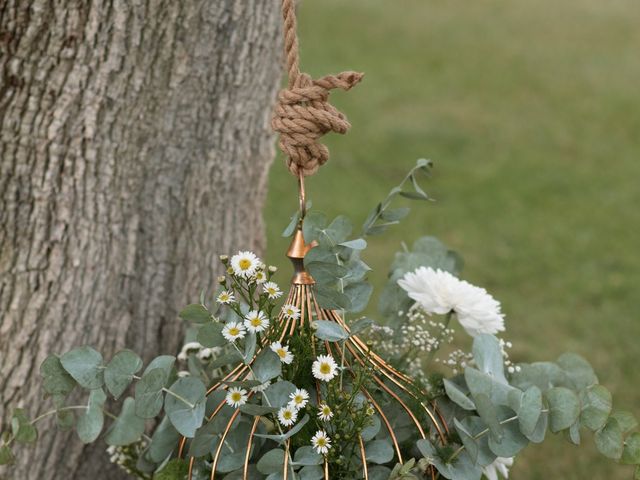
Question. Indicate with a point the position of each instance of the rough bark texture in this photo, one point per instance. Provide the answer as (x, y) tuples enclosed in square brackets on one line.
[(134, 148)]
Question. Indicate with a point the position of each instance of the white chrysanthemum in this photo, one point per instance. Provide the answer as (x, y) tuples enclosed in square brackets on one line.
[(321, 442), (324, 412), (287, 416), (232, 331), (324, 368), (291, 312), (256, 321), (500, 465), (236, 397), (260, 277), (299, 398), (283, 352), (226, 297), (272, 290), (437, 291), (245, 264), (207, 354)]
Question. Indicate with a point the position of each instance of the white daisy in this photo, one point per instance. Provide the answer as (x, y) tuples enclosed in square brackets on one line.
[(236, 397), (437, 291), (232, 331), (325, 368), (283, 352), (260, 277), (321, 442), (287, 416), (272, 290), (256, 321), (226, 297), (324, 412), (299, 399), (291, 312), (500, 465), (245, 264)]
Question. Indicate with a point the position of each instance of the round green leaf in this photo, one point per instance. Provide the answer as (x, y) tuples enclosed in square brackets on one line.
[(186, 413), (379, 451), (91, 422), (266, 366), (148, 393), (596, 407), (23, 430), (271, 462), (609, 440), (330, 331), (564, 408), (195, 313), (631, 452), (56, 380), (120, 371), (530, 410), (6, 455), (457, 396), (210, 335), (128, 427), (307, 456), (84, 365)]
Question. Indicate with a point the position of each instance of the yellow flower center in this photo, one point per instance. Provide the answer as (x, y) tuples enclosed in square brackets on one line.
[(326, 410), (256, 322), (322, 442), (298, 399), (236, 397), (325, 368), (244, 264), (271, 291), (234, 331), (287, 415), (282, 352)]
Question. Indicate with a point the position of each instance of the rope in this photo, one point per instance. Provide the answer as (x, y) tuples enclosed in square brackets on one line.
[(303, 113)]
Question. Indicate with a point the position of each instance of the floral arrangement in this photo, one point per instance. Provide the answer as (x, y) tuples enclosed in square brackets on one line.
[(304, 405)]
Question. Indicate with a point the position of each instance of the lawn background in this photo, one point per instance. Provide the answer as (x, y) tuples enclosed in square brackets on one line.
[(531, 112)]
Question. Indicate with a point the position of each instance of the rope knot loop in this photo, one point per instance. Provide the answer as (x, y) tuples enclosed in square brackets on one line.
[(303, 114)]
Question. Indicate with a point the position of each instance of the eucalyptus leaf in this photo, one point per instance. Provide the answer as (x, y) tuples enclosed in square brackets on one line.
[(379, 451), (266, 366), (609, 440), (23, 430), (358, 294), (357, 244), (84, 365), (530, 410), (631, 451), (91, 421), (626, 420), (128, 427), (330, 331), (457, 396), (195, 313), (332, 299), (257, 410), (56, 380), (6, 455), (271, 462), (205, 440), (488, 356), (250, 344), (210, 335), (166, 364), (185, 406), (370, 431), (148, 393), (306, 455), (120, 371), (164, 441), (311, 472), (596, 407), (564, 408)]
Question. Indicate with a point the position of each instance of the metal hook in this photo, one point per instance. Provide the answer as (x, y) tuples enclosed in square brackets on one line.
[(302, 196)]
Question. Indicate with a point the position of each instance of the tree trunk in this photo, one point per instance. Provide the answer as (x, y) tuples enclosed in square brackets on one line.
[(134, 149)]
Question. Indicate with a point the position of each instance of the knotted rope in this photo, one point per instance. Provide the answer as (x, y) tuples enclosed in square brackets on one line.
[(303, 113)]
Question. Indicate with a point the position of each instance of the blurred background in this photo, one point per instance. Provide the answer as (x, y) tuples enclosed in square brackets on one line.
[(531, 114)]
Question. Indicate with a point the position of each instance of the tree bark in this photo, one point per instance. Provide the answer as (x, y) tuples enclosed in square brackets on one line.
[(134, 149)]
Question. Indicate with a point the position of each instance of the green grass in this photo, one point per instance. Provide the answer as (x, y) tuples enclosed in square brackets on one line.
[(531, 113)]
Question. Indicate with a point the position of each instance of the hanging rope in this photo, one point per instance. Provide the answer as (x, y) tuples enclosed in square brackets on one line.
[(303, 113)]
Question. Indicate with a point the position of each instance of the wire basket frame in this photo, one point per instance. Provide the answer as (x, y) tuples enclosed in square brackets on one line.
[(399, 387)]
